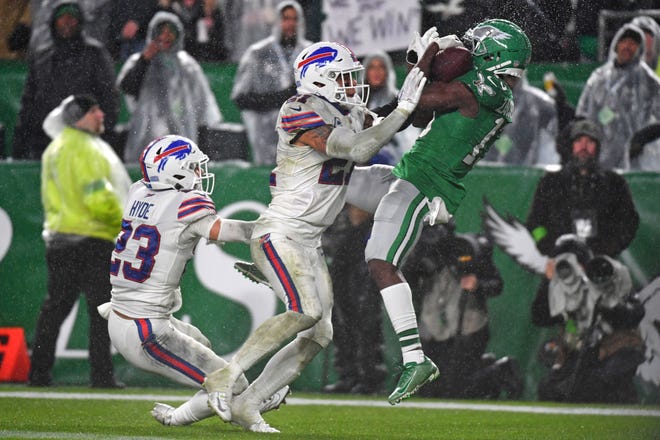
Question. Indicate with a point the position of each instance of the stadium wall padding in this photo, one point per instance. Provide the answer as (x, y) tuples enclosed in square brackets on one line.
[(226, 307)]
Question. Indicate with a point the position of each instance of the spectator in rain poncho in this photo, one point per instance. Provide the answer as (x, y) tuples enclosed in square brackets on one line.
[(530, 138), (246, 22), (97, 18), (623, 97), (67, 62), (651, 30), (381, 77), (166, 90), (265, 79)]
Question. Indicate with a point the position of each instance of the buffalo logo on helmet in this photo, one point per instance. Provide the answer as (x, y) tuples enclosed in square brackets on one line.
[(178, 149), (320, 57)]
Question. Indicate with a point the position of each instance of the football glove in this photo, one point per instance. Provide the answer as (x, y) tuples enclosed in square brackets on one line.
[(418, 45), (411, 90), (446, 42)]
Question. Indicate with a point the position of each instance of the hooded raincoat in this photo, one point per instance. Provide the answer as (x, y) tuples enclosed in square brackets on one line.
[(265, 80), (530, 139), (622, 100), (381, 96), (57, 68), (648, 24), (169, 94)]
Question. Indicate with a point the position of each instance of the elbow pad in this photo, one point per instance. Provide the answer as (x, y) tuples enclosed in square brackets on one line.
[(362, 146)]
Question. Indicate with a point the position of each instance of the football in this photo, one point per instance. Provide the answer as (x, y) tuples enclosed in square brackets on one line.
[(450, 63)]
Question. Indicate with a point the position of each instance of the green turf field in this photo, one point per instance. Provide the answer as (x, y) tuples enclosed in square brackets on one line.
[(78, 413)]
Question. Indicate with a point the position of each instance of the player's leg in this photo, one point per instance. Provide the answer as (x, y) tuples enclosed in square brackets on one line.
[(190, 330), (288, 363), (156, 345), (368, 186), (397, 226), (286, 265)]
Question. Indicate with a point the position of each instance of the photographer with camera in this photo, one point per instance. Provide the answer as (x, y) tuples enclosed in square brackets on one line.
[(598, 349), (457, 275), (596, 206)]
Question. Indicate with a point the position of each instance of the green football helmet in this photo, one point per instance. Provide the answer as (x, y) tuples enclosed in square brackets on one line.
[(499, 46)]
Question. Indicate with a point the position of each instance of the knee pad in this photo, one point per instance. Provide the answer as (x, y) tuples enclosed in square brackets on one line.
[(321, 333)]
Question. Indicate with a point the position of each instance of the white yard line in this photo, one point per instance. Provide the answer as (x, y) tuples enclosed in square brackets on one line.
[(69, 435), (536, 409)]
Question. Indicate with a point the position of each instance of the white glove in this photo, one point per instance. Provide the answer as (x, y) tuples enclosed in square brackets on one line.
[(418, 45), (438, 213), (411, 90), (105, 309), (447, 41)]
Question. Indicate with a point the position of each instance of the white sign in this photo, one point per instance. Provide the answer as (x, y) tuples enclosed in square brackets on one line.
[(369, 25)]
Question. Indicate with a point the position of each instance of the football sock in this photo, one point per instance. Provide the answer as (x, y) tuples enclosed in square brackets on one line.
[(269, 336), (400, 309), (284, 367), (193, 410)]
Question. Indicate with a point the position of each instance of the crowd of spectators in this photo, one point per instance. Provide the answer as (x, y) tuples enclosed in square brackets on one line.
[(261, 38)]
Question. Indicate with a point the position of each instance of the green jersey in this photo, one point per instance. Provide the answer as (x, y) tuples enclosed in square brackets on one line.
[(451, 143)]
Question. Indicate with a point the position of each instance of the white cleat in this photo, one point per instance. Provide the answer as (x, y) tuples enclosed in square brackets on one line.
[(164, 414), (275, 401), (246, 414), (262, 427), (219, 403)]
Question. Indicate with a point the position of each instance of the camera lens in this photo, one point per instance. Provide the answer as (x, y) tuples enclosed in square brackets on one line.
[(600, 270), (564, 269)]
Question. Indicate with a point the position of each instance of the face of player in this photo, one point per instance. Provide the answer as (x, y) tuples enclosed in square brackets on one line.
[(347, 80), (93, 121), (289, 23), (625, 50), (376, 73), (511, 81)]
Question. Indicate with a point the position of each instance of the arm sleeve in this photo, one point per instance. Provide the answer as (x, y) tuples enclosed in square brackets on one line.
[(490, 281), (256, 101), (235, 231), (360, 147), (541, 308), (539, 217), (619, 219), (642, 137), (106, 90), (131, 80), (230, 230), (99, 195)]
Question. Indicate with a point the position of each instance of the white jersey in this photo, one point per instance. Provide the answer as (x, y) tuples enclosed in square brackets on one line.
[(153, 248), (308, 188)]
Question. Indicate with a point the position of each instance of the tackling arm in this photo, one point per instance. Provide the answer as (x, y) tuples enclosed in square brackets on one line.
[(221, 230), (361, 146)]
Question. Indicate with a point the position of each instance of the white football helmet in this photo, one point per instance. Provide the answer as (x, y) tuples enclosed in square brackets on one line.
[(333, 71), (176, 162)]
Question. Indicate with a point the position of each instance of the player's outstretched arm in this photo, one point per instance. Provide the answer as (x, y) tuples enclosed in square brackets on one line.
[(361, 146), (220, 230)]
